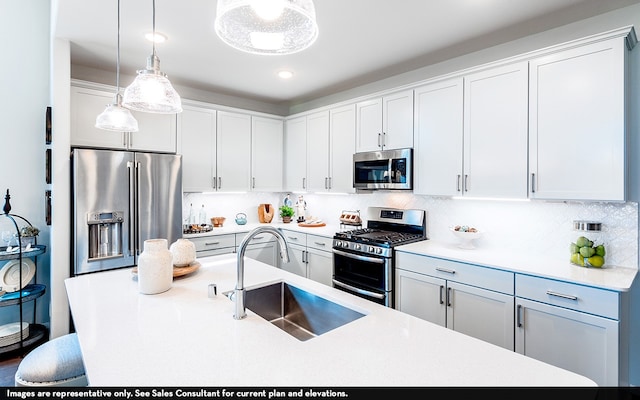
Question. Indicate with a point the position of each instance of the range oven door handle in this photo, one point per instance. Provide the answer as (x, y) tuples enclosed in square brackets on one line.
[(355, 289), (359, 257)]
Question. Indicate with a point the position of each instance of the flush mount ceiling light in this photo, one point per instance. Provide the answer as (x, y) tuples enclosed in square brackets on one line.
[(267, 26), (284, 74), (151, 91), (156, 37), (115, 117)]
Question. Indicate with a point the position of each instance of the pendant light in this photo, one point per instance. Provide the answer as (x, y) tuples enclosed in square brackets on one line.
[(267, 26), (151, 91), (115, 117)]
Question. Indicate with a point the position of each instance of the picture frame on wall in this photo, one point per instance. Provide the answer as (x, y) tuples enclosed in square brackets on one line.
[(47, 126), (47, 206), (47, 163)]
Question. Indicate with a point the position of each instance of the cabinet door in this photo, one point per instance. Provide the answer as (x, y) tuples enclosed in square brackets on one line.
[(320, 266), (263, 252), (197, 144), (397, 120), (481, 313), (266, 154), (422, 296), (297, 258), (583, 343), (233, 152), (318, 152), (577, 123), (438, 134), (86, 105), (495, 132), (156, 132), (369, 125), (295, 154), (342, 131)]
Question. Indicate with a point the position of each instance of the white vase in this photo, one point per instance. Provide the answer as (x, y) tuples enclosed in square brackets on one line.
[(155, 267), (183, 251)]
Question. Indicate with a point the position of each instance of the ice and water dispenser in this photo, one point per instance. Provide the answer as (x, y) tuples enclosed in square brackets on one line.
[(105, 234)]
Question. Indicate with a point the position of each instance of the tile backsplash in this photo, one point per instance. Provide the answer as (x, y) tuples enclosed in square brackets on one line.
[(531, 227)]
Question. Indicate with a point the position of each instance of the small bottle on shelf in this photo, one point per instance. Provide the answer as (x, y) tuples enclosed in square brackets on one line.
[(203, 216)]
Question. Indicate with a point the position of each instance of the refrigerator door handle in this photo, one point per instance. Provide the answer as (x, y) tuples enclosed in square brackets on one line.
[(136, 219), (131, 168)]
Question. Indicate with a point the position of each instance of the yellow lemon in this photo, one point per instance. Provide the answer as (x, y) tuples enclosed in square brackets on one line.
[(596, 261)]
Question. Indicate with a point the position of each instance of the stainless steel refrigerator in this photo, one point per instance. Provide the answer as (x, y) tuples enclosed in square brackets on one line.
[(119, 200)]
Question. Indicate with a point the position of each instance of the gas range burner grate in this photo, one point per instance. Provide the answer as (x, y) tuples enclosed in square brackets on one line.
[(381, 237)]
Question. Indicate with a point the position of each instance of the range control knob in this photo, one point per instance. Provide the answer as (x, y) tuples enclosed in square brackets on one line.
[(371, 249), (378, 250), (357, 247)]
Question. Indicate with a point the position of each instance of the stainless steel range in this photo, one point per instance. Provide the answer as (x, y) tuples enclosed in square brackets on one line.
[(363, 259)]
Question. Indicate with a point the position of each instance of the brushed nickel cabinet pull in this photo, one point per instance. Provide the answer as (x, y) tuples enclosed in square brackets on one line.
[(562, 295), (458, 183), (448, 271), (441, 297), (466, 183), (518, 319), (533, 178), (448, 297)]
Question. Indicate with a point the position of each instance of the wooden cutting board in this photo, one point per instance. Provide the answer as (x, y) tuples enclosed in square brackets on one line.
[(316, 225)]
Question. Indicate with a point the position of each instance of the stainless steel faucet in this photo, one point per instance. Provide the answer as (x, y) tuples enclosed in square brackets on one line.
[(238, 293)]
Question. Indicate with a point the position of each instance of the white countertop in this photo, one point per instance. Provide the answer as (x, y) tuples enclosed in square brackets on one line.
[(612, 278), (232, 227), (184, 338)]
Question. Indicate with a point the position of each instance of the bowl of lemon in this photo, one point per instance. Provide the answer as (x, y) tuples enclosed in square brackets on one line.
[(586, 253), (467, 235)]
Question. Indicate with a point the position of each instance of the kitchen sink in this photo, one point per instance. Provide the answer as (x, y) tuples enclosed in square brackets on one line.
[(301, 314)]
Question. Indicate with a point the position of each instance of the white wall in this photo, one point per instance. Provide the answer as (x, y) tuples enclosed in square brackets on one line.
[(24, 79)]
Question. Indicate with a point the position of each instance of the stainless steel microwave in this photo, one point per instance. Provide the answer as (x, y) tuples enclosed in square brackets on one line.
[(385, 169)]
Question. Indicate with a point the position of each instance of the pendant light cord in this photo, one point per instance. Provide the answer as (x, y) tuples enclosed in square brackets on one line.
[(154, 27), (118, 54)]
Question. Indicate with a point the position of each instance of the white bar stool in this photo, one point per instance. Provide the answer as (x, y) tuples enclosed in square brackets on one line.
[(57, 362)]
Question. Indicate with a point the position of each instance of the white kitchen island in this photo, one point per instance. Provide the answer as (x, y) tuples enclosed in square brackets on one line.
[(182, 337)]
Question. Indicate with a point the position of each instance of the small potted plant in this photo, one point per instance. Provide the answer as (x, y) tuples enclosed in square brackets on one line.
[(286, 212), (28, 235)]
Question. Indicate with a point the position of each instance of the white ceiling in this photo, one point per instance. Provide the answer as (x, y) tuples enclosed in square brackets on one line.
[(360, 41)]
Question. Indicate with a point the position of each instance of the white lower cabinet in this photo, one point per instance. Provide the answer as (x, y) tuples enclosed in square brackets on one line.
[(469, 299), (571, 326), (214, 245), (263, 248), (309, 256)]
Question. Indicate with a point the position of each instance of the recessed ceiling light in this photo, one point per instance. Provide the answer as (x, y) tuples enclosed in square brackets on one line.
[(158, 38), (285, 74)]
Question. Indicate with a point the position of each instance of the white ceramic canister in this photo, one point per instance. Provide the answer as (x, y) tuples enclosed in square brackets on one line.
[(155, 267), (183, 251)]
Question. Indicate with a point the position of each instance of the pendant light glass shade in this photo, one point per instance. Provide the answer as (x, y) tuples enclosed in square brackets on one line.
[(267, 26), (115, 117), (151, 91)]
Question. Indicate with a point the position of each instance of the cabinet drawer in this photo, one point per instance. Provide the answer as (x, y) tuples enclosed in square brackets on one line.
[(214, 242), (263, 238), (294, 237), (474, 275), (563, 294), (319, 242)]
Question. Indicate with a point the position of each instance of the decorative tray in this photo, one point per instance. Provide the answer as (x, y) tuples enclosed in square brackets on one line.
[(195, 228), (177, 271)]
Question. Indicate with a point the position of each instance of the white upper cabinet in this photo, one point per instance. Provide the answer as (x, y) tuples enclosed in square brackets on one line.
[(385, 123), (342, 131), (295, 154), (577, 123), (266, 154), (233, 152), (197, 144), (438, 138), (157, 132), (318, 152), (495, 132)]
